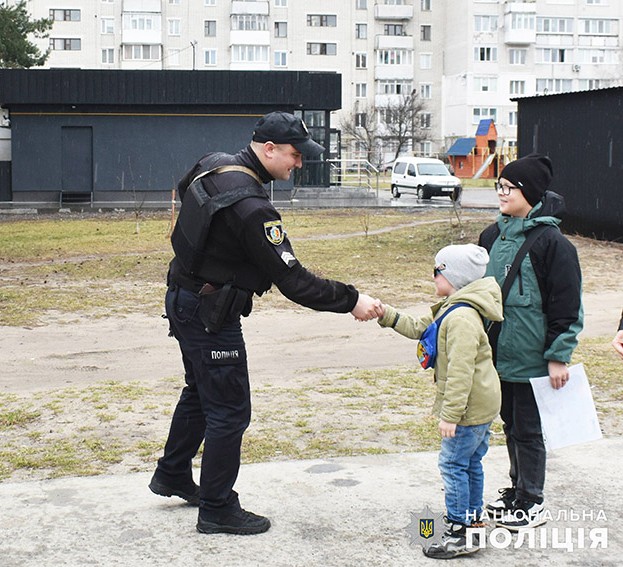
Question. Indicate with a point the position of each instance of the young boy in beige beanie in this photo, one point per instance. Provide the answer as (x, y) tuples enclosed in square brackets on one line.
[(468, 387)]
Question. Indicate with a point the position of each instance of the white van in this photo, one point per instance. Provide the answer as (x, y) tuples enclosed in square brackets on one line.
[(426, 177)]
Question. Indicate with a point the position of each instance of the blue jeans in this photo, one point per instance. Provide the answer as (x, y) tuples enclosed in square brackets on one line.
[(460, 463)]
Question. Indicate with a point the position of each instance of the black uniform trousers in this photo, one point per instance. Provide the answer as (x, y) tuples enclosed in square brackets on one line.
[(214, 406)]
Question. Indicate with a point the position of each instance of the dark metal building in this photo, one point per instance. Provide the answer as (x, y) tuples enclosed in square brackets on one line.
[(128, 135), (582, 133)]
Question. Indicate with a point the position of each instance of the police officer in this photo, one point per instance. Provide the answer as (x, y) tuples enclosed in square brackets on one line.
[(245, 252)]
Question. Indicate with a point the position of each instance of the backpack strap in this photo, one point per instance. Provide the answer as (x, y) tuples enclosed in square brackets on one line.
[(451, 308), (494, 327)]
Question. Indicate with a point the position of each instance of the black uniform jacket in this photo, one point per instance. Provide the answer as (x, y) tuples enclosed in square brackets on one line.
[(247, 245)]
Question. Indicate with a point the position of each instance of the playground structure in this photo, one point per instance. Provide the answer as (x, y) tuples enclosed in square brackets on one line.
[(480, 157)]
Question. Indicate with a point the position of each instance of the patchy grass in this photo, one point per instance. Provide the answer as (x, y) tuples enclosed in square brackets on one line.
[(104, 266)]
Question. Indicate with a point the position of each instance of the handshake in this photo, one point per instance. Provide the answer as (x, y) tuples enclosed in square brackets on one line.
[(368, 308)]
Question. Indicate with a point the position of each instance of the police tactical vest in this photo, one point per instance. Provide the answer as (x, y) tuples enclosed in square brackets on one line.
[(198, 208)]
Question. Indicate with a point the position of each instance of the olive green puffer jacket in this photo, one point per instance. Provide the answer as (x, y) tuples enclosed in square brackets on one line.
[(468, 387)]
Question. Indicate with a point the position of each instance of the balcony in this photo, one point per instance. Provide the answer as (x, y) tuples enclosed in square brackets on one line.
[(258, 7), (519, 23), (251, 37), (393, 72), (394, 42), (391, 12)]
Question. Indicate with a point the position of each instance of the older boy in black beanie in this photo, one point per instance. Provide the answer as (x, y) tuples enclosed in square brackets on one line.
[(542, 318)]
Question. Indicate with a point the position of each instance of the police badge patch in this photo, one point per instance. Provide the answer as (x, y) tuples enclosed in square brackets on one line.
[(274, 232)]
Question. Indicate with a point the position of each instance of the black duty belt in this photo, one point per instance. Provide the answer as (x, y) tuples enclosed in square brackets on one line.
[(191, 284)]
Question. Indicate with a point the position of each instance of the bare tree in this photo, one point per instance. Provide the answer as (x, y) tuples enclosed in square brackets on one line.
[(362, 125), (399, 124), (402, 123)]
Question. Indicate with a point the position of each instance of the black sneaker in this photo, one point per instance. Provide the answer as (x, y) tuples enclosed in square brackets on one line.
[(238, 522), (453, 543), (525, 514), (498, 508), (189, 492)]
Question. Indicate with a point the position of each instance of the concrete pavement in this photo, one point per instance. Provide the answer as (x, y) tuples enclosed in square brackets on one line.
[(334, 512)]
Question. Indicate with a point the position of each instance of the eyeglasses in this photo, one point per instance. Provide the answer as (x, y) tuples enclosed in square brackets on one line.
[(438, 269), (504, 189)]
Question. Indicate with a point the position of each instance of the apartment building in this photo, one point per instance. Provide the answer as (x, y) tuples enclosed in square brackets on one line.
[(464, 59)]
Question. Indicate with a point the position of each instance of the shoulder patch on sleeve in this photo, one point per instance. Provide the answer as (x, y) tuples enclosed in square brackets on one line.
[(274, 232)]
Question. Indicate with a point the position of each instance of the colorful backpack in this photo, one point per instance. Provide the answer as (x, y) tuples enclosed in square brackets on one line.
[(427, 347)]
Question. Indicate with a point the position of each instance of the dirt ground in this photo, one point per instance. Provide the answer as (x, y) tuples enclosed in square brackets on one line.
[(79, 351)]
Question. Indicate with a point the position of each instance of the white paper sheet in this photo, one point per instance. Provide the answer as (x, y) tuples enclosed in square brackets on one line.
[(568, 415)]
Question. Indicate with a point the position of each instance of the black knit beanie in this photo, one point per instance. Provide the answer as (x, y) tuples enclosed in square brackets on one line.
[(532, 174)]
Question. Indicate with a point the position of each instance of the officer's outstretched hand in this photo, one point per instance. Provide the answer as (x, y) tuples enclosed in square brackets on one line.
[(367, 308)]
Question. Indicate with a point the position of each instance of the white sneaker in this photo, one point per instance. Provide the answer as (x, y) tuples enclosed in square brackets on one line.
[(525, 514)]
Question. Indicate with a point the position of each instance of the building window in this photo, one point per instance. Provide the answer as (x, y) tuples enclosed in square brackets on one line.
[(517, 56), (554, 25), (517, 87), (209, 2), (249, 53), (425, 148), (138, 22), (394, 87), (590, 84), (521, 21), (281, 3), (209, 57), (425, 33), (108, 56), (65, 15), (361, 31), (512, 118), (425, 5), (361, 4), (361, 90), (610, 56), (551, 55), (249, 22), (483, 113), (108, 25), (599, 27), (141, 52), (281, 29), (485, 23), (553, 85), (322, 49), (209, 28), (360, 119), (486, 84), (361, 60), (321, 20), (280, 58), (485, 53), (65, 44), (393, 29), (426, 90), (425, 120), (174, 2), (174, 26), (426, 60), (394, 57)]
